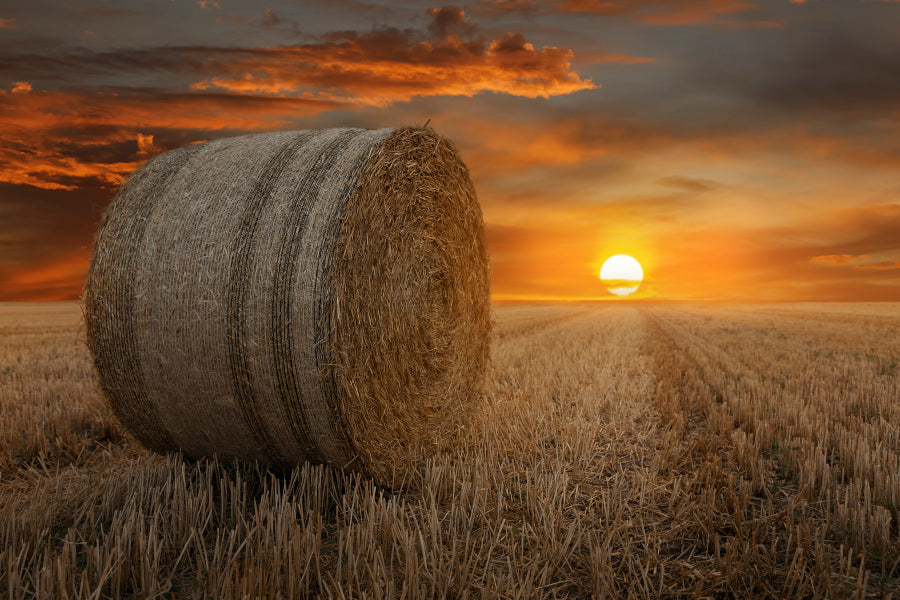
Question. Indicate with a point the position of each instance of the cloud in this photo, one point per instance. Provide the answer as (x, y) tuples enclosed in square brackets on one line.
[(842, 238), (451, 20), (855, 261), (528, 8), (62, 137), (836, 73), (612, 57), (866, 230), (271, 18), (145, 144), (500, 143), (688, 184), (7, 23), (834, 259), (649, 12), (884, 265), (773, 263), (68, 139), (451, 56), (388, 65), (108, 12), (810, 74)]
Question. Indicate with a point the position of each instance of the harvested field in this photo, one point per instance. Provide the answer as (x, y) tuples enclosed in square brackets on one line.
[(620, 451)]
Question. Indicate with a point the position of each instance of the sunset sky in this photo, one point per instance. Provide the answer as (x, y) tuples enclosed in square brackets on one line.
[(741, 150)]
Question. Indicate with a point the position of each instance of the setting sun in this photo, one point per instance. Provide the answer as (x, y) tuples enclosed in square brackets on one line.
[(621, 274)]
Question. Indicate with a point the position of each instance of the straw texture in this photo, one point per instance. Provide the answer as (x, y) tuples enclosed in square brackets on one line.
[(310, 295)]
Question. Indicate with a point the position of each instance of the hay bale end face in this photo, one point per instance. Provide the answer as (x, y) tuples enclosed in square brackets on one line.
[(282, 297)]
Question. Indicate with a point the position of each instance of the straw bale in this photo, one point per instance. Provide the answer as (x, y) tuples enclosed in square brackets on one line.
[(283, 297)]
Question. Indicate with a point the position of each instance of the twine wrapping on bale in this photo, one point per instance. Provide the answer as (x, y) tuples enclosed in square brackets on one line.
[(306, 295)]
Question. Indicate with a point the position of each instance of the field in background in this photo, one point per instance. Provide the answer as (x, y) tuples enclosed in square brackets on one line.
[(622, 451)]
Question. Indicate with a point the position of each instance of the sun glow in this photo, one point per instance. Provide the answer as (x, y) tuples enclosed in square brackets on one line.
[(621, 274)]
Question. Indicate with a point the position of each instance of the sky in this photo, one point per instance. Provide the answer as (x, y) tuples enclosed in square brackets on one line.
[(741, 150)]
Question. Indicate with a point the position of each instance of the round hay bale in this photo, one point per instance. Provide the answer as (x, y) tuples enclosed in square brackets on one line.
[(304, 295)]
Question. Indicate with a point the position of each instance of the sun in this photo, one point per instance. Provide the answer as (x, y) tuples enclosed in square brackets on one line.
[(621, 274)]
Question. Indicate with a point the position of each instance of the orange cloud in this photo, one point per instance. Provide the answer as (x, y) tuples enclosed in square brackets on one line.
[(7, 23), (885, 265), (772, 263), (144, 143), (390, 65), (61, 140), (450, 56), (834, 259), (499, 145), (850, 259), (20, 87)]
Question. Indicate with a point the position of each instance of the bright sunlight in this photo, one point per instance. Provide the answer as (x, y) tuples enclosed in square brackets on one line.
[(621, 274)]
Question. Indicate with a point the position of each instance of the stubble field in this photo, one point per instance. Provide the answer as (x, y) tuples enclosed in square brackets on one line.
[(621, 451)]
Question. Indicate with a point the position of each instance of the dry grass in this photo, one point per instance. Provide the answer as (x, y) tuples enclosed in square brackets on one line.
[(620, 452)]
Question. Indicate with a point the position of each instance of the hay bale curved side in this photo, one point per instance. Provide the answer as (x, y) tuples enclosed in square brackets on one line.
[(313, 295)]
